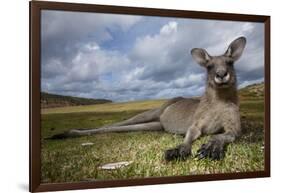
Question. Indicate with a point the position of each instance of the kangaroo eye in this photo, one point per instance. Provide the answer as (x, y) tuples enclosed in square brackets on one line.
[(230, 62), (210, 66)]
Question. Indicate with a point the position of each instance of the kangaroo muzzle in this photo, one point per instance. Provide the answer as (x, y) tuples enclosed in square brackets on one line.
[(222, 79)]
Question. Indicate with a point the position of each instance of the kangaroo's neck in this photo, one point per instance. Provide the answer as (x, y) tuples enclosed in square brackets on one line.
[(229, 94)]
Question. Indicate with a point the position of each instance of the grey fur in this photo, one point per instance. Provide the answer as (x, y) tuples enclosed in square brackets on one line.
[(215, 113)]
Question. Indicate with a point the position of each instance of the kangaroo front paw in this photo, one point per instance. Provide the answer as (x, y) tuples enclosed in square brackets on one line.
[(181, 152), (213, 150)]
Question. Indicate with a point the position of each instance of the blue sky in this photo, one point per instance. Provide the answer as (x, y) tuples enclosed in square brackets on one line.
[(124, 58)]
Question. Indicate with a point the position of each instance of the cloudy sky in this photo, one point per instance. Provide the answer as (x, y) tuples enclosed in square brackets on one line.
[(124, 58)]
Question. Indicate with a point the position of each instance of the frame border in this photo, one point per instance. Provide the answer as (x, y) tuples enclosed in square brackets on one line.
[(35, 8)]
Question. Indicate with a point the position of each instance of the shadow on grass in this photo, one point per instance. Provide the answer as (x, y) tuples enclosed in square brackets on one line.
[(252, 131)]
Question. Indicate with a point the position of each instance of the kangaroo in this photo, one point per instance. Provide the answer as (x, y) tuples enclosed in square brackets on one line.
[(216, 113)]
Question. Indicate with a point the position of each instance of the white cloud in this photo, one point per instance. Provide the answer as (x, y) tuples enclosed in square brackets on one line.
[(188, 80), (79, 24), (169, 28), (247, 27)]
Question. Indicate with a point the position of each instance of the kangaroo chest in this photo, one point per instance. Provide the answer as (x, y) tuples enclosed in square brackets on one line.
[(210, 118)]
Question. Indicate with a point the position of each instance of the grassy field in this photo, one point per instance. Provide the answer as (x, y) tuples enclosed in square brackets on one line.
[(68, 161)]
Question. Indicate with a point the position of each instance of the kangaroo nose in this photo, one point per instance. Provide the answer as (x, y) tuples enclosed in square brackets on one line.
[(221, 74)]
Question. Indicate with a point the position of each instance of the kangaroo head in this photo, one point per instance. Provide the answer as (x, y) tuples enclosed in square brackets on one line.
[(221, 72)]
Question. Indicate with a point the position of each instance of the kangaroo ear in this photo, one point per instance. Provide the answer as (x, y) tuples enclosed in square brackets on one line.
[(201, 56), (236, 48)]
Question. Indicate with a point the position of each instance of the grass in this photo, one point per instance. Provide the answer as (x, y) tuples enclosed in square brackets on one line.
[(68, 161)]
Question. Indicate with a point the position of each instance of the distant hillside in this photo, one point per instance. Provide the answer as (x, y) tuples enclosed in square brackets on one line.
[(53, 100), (252, 91)]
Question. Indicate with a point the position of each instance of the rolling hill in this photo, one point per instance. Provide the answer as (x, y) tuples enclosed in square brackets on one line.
[(253, 91), (53, 100)]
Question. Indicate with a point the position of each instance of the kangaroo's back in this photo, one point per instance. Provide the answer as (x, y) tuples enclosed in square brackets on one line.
[(177, 117)]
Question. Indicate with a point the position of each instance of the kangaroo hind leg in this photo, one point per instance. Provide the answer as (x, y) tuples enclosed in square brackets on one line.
[(150, 115), (146, 121), (147, 116), (150, 126)]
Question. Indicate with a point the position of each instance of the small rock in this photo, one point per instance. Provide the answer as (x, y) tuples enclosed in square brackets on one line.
[(87, 144), (116, 165)]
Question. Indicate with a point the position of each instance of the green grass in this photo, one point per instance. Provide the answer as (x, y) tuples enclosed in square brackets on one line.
[(68, 161)]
